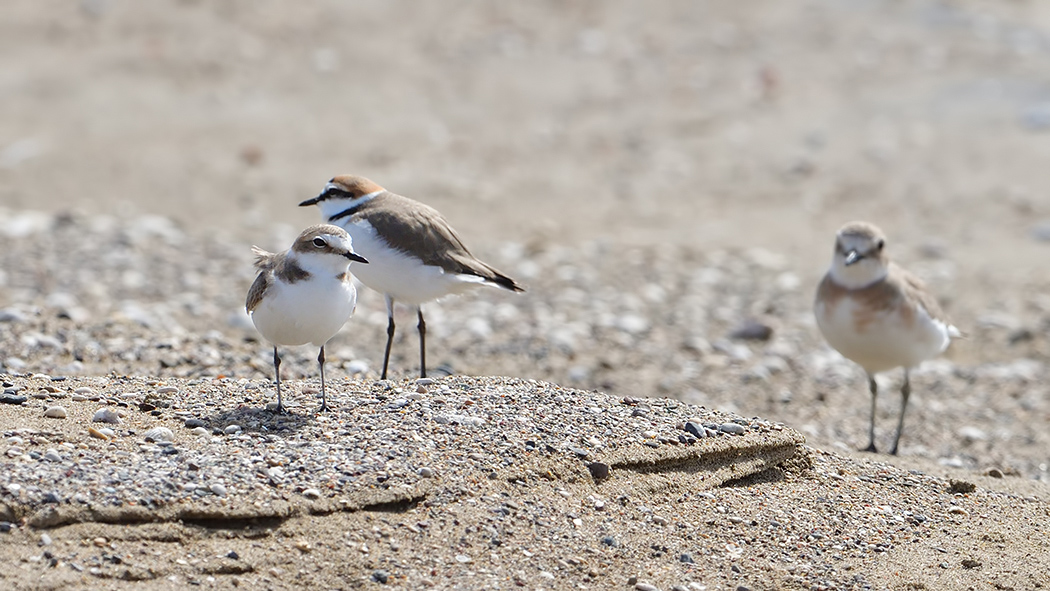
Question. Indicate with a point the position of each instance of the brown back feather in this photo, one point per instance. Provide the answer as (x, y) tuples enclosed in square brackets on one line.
[(424, 232)]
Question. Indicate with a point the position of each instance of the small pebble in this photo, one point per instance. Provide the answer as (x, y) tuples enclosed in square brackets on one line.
[(232, 429), (961, 486), (695, 429), (218, 489), (312, 493), (732, 428), (426, 472), (55, 412), (167, 390), (159, 434), (381, 577), (97, 434), (463, 559), (12, 399), (45, 540), (106, 415), (645, 587), (599, 470), (194, 423), (52, 456)]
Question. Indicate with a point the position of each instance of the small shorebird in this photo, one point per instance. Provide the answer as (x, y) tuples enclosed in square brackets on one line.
[(415, 254), (877, 314), (304, 294)]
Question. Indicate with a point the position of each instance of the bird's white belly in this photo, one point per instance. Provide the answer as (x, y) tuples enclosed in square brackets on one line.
[(403, 277), (305, 311), (888, 341)]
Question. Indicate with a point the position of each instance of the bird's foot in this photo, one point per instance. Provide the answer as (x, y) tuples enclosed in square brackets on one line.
[(871, 448)]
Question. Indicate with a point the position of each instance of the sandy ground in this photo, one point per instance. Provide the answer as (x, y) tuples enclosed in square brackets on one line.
[(656, 174)]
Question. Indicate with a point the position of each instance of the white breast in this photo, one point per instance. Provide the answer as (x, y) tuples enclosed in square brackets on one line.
[(403, 277), (888, 341), (310, 311)]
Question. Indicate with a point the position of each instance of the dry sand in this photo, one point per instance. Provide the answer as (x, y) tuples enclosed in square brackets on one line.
[(658, 175)]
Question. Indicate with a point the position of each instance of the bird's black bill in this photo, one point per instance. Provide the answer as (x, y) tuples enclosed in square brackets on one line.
[(312, 200), (853, 257), (353, 256)]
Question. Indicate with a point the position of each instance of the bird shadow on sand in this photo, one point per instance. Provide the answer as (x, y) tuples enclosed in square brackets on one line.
[(254, 419)]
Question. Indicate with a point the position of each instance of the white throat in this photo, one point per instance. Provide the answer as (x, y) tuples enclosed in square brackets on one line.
[(861, 274)]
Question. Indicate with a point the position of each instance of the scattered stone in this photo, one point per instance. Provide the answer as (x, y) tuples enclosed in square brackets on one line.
[(752, 330), (995, 473), (232, 429), (52, 456), (159, 435), (217, 489), (645, 587), (106, 415), (426, 472), (12, 399), (732, 428), (463, 559), (961, 486), (695, 429), (686, 558), (97, 434), (381, 577), (55, 412), (194, 423), (599, 470), (969, 563), (312, 493)]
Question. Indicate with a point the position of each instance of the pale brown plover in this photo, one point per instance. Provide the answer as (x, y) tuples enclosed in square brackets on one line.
[(304, 294), (877, 314), (415, 256)]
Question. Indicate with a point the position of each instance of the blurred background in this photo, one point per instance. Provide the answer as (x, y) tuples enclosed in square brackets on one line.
[(659, 175)]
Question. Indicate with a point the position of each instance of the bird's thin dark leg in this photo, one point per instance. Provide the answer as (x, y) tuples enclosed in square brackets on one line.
[(871, 426), (389, 334), (422, 343), (905, 393), (324, 397), (277, 374)]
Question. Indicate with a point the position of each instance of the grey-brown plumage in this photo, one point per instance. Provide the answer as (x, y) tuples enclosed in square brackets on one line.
[(415, 255)]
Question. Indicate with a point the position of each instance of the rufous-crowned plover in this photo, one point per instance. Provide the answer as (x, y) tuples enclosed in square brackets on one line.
[(304, 294), (415, 256), (877, 314)]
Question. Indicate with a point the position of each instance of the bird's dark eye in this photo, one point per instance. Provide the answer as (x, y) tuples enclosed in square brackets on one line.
[(320, 243), (880, 244)]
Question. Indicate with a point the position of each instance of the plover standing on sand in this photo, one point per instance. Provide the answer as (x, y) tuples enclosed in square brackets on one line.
[(415, 254), (877, 314), (304, 294)]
